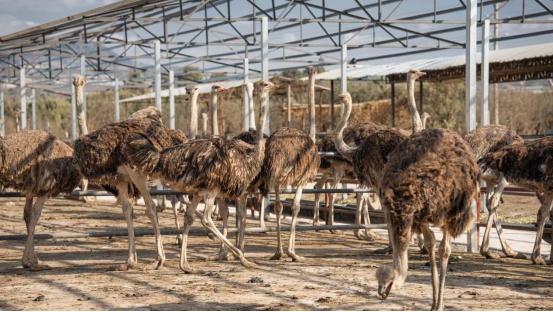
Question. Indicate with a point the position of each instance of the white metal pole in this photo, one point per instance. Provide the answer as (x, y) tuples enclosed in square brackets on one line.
[(83, 73), (264, 77), (470, 74), (33, 108), (246, 104), (157, 72), (172, 99), (344, 69), (265, 60), (470, 96), (73, 111), (23, 97), (2, 119), (117, 107), (485, 73)]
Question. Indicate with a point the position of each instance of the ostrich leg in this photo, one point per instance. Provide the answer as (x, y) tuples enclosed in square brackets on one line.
[(491, 205), (278, 210), (151, 213), (174, 202), (338, 174), (187, 224), (295, 211), (372, 200), (543, 214), (445, 251), (30, 260), (207, 221), (319, 185), (241, 211), (28, 211), (123, 199), (429, 244), (359, 202)]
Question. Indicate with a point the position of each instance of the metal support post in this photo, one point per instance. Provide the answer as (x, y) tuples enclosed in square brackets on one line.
[(33, 108), (344, 69), (157, 73), (393, 96), (265, 60), (117, 107), (83, 73), (470, 97), (2, 119), (172, 99), (23, 97), (485, 73)]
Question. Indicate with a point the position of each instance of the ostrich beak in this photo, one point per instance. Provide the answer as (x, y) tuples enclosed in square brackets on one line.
[(383, 293)]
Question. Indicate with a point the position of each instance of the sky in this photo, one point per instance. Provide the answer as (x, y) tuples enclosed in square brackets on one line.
[(20, 14)]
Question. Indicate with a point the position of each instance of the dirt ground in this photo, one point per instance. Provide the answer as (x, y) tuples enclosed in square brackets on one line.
[(338, 272)]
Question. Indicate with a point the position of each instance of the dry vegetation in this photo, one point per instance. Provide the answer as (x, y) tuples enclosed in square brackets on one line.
[(525, 111)]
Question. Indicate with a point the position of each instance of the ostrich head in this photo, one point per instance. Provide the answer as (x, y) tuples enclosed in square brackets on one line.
[(148, 112), (267, 86), (345, 98), (193, 90), (79, 81), (415, 74), (218, 88), (385, 276), (425, 116), (311, 70)]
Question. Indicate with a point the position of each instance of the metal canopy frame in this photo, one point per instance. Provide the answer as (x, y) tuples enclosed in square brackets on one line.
[(217, 35)]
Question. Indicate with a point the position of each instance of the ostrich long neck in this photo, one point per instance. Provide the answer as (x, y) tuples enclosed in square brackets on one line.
[(342, 147), (194, 114), (312, 124), (214, 107), (415, 117), (251, 113), (263, 119), (81, 117)]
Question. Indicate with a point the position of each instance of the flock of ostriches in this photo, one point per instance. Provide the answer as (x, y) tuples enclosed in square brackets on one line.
[(422, 178)]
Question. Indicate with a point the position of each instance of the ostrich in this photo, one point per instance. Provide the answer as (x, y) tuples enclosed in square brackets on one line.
[(292, 158), (105, 152), (370, 155), (529, 164), (372, 145), (209, 168), (486, 140), (433, 178), (40, 165)]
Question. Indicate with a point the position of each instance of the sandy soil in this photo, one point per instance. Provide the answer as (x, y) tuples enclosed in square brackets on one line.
[(338, 272)]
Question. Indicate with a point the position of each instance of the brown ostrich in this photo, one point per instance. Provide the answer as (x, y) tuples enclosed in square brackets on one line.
[(433, 178), (370, 154), (486, 140), (39, 165), (292, 158), (207, 168), (529, 164), (105, 152)]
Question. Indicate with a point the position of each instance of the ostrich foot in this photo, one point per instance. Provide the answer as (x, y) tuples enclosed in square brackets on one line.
[(509, 253), (295, 257), (36, 265), (538, 260), (157, 264), (187, 269), (336, 231), (223, 255), (490, 255), (248, 264), (386, 250), (371, 236), (277, 255), (127, 266)]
